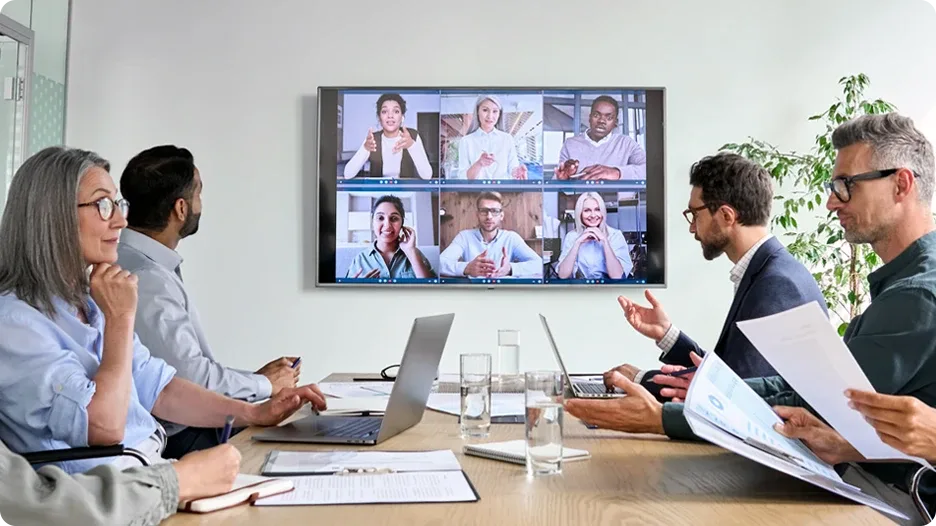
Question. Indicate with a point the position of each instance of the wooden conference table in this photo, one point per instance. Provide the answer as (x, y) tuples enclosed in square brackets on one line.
[(630, 479)]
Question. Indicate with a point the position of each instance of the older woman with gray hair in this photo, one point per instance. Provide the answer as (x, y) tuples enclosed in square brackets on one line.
[(594, 250), (72, 371), (487, 152)]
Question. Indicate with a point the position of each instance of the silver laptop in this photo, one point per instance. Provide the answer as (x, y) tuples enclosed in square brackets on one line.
[(405, 407), (578, 388)]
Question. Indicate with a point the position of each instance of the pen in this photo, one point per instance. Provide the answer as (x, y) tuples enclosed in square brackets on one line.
[(296, 362), (228, 424), (684, 372)]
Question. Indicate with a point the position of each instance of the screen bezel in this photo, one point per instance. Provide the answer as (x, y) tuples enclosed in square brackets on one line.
[(324, 193)]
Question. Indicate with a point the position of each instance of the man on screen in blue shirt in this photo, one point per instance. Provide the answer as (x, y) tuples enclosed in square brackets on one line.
[(488, 251)]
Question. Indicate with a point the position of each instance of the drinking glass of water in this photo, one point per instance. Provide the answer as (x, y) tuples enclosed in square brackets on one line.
[(544, 414), (475, 379), (508, 352)]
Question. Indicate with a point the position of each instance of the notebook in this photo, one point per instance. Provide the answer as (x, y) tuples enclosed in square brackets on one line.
[(514, 451), (247, 489)]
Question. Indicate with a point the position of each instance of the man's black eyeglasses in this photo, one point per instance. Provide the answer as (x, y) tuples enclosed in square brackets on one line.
[(841, 186)]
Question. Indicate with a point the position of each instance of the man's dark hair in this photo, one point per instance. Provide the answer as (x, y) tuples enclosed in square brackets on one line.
[(730, 179), (394, 97), (153, 181), (609, 100), (393, 200)]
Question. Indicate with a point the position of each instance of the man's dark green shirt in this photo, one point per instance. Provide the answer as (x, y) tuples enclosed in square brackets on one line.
[(894, 342)]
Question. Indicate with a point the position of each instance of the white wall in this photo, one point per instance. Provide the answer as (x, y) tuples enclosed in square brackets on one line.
[(231, 79)]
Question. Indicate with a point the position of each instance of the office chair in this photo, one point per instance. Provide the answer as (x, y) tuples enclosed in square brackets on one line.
[(915, 494), (84, 453)]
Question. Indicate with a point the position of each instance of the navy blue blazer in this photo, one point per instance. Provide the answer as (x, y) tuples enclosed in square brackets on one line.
[(775, 281)]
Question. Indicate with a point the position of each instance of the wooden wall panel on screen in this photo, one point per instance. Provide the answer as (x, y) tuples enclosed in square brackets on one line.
[(523, 212)]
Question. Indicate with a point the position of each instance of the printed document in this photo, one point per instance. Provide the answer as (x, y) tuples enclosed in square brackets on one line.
[(280, 463), (502, 404), (808, 353), (432, 486), (721, 408)]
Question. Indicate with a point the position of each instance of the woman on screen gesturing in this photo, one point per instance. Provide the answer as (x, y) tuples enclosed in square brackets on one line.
[(393, 254), (594, 250), (394, 151)]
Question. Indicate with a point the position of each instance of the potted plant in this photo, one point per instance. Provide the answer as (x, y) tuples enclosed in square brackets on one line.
[(839, 267)]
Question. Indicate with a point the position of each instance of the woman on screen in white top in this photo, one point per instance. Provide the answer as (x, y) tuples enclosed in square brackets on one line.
[(394, 151), (594, 250), (487, 152)]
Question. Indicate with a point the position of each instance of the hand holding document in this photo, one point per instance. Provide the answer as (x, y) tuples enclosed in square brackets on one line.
[(721, 408), (805, 349)]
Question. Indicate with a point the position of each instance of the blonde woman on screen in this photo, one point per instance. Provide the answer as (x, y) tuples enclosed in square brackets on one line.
[(594, 250), (487, 152)]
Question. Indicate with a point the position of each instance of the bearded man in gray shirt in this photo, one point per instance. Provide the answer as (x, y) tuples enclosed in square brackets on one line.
[(164, 187)]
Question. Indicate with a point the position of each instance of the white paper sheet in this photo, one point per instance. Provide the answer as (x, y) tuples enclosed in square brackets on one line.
[(717, 405), (502, 404), (311, 462), (449, 378), (356, 405), (433, 486), (805, 349), (356, 389)]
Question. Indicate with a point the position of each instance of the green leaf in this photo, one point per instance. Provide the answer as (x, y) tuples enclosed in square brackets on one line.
[(842, 328)]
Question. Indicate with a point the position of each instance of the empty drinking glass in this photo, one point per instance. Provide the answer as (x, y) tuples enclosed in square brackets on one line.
[(475, 380), (544, 415)]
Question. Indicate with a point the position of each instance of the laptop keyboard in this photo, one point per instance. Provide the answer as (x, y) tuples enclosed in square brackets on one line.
[(591, 387), (352, 428)]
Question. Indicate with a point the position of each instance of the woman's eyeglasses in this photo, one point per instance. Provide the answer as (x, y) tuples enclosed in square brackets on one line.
[(106, 207)]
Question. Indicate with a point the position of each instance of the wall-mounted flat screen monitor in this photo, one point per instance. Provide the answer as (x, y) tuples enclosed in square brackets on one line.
[(490, 187)]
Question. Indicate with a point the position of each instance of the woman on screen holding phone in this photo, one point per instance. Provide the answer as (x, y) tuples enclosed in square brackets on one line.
[(394, 151), (393, 254), (487, 152), (594, 250)]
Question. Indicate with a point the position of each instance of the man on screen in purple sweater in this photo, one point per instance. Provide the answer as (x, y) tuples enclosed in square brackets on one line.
[(600, 153)]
